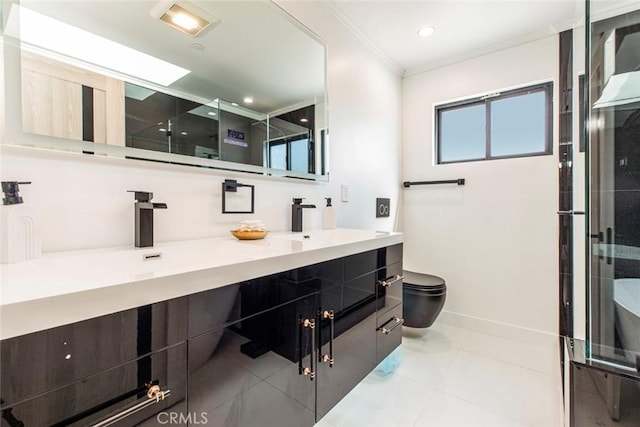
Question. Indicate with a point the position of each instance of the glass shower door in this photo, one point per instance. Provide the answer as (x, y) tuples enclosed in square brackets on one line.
[(614, 180)]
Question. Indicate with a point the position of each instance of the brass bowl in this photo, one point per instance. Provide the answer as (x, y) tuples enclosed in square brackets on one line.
[(249, 234)]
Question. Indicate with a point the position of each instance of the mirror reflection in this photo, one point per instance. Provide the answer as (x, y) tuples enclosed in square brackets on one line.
[(247, 88)]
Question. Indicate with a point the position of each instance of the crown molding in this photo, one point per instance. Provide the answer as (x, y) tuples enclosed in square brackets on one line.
[(330, 6), (482, 51)]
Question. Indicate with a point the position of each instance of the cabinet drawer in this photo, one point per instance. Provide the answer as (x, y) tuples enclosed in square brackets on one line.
[(389, 332), (329, 272), (366, 262), (390, 255), (358, 293), (211, 309), (359, 264), (357, 310), (389, 287), (108, 393), (44, 360), (220, 307)]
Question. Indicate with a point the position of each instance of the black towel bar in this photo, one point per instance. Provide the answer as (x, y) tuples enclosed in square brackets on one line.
[(459, 181)]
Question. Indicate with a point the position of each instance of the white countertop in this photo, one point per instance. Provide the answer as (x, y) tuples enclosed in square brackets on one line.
[(68, 287)]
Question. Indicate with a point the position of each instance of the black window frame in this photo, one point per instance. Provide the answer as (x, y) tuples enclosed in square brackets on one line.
[(287, 141), (487, 100)]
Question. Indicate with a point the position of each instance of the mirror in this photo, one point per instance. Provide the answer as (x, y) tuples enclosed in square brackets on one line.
[(119, 79)]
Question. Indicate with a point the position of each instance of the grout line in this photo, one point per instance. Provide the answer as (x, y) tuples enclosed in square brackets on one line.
[(450, 362), (506, 416), (493, 359), (491, 411), (543, 348)]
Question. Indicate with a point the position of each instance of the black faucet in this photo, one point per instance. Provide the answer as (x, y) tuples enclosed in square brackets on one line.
[(144, 217), (296, 214)]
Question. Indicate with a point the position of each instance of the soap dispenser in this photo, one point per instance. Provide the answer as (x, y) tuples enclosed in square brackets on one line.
[(19, 234), (328, 216)]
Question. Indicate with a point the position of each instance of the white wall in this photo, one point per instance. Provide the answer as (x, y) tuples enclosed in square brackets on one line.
[(83, 200), (365, 110), (494, 240)]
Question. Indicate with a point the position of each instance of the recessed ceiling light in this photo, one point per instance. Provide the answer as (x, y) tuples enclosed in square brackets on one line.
[(426, 31), (235, 104), (59, 37), (303, 120), (183, 133), (197, 46), (162, 130), (183, 16), (248, 100), (186, 21), (211, 113)]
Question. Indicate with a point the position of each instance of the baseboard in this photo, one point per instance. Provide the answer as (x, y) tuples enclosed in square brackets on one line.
[(499, 329)]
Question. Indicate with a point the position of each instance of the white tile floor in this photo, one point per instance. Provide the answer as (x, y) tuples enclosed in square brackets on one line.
[(454, 377)]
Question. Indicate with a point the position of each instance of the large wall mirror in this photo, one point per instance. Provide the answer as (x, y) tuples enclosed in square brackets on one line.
[(237, 85)]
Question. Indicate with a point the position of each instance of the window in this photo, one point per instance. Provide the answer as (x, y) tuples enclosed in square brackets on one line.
[(516, 123), (291, 153)]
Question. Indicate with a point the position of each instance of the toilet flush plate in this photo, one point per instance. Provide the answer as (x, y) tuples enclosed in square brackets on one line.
[(382, 207)]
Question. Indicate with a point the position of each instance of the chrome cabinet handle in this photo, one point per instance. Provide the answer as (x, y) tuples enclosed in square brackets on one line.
[(390, 280), (328, 358), (154, 395), (396, 322), (307, 370)]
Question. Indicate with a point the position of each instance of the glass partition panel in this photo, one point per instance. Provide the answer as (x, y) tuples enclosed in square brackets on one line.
[(613, 49), (161, 122)]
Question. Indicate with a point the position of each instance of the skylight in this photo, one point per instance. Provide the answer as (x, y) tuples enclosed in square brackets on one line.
[(44, 32)]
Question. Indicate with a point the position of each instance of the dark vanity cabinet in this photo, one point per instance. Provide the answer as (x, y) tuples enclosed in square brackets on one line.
[(389, 295), (257, 362), (91, 371), (279, 350), (250, 373), (251, 344), (348, 341)]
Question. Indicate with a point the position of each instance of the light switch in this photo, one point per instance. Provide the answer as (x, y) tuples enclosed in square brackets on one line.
[(344, 192)]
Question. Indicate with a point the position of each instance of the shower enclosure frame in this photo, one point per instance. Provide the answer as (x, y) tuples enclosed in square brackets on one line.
[(607, 230)]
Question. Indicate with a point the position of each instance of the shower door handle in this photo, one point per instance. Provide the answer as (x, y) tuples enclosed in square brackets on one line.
[(608, 245), (600, 237), (572, 212)]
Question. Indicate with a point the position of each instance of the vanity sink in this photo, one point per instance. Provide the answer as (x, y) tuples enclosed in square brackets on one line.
[(76, 271), (73, 271), (193, 253), (66, 287), (329, 237), (182, 255)]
